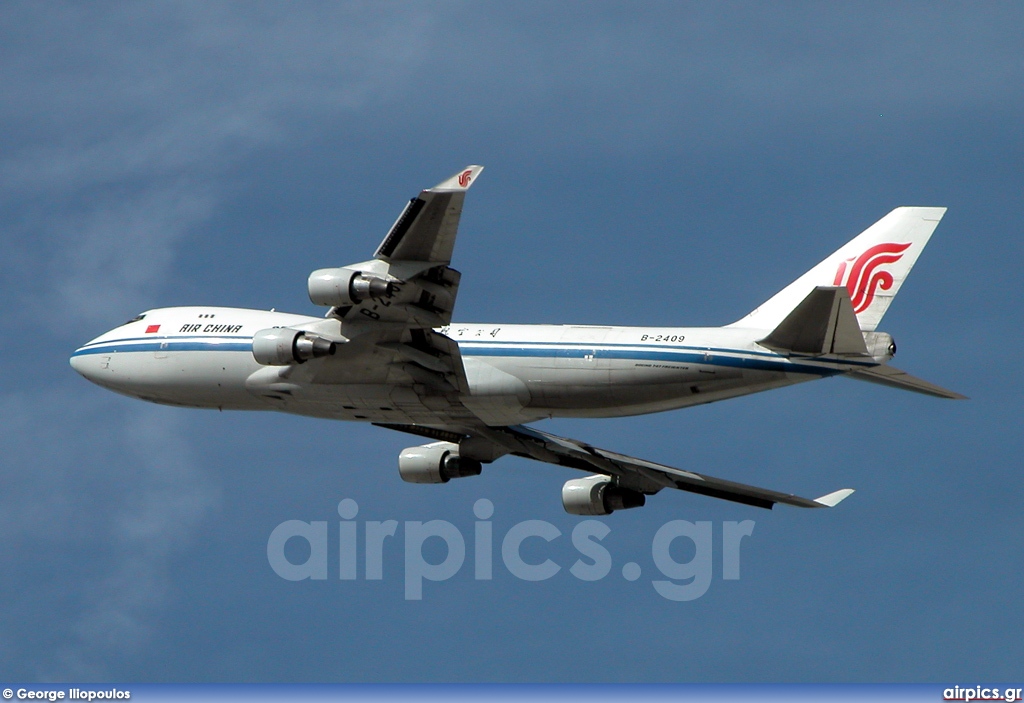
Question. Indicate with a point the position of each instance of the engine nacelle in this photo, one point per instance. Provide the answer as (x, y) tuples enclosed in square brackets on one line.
[(435, 463), (345, 286), (880, 346), (282, 346), (598, 495)]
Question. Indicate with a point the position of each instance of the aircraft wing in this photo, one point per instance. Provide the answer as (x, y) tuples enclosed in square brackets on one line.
[(390, 333), (425, 231), (633, 473), (413, 260)]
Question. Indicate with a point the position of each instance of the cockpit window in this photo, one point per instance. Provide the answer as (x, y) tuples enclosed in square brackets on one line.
[(135, 319)]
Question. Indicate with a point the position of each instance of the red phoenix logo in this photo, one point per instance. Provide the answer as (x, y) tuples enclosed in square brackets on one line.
[(464, 177), (864, 278)]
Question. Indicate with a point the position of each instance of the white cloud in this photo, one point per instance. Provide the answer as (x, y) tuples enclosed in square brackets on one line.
[(118, 124), (121, 122)]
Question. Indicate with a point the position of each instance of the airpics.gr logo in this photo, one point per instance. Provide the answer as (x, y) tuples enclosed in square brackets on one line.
[(530, 551), (862, 276), (465, 177)]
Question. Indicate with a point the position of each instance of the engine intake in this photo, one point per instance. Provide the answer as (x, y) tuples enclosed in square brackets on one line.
[(598, 495), (435, 463), (345, 286), (282, 346)]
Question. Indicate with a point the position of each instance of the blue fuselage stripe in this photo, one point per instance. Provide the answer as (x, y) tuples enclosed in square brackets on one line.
[(680, 356), (168, 345), (732, 358)]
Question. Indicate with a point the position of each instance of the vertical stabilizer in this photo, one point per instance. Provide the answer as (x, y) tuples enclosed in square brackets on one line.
[(872, 267)]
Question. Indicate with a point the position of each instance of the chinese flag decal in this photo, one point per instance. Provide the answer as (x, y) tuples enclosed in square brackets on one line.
[(152, 328)]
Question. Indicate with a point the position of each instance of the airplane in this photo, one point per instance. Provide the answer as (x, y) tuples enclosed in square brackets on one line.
[(386, 352)]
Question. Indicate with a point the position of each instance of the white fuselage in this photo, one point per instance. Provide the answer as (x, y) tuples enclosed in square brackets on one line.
[(202, 357)]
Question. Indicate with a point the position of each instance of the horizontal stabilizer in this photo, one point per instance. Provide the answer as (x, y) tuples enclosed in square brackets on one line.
[(823, 323), (890, 376)]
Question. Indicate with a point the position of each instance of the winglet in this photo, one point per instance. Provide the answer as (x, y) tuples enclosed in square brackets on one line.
[(460, 181), (835, 498)]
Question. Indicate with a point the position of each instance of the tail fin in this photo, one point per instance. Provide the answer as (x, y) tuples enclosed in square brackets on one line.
[(872, 266)]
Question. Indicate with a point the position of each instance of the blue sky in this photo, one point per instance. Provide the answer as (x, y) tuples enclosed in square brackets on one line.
[(673, 164)]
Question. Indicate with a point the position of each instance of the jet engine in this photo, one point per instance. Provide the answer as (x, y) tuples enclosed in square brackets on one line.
[(435, 463), (598, 495), (281, 346), (345, 286)]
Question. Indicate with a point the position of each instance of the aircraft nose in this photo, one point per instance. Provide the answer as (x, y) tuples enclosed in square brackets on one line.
[(88, 365), (79, 364)]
